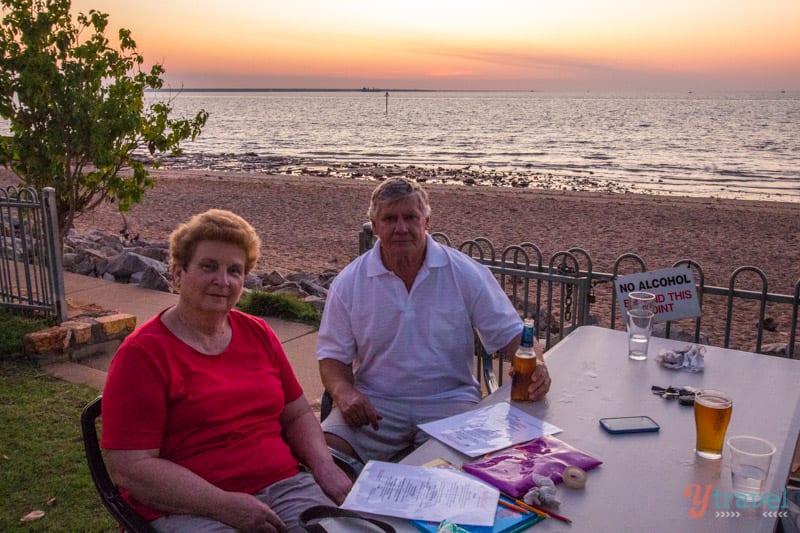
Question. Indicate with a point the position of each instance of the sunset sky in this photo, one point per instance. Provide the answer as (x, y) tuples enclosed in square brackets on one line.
[(575, 45)]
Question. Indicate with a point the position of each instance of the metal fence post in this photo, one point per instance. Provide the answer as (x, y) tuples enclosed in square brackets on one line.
[(56, 269)]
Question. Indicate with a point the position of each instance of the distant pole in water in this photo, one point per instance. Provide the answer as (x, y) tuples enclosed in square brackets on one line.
[(387, 102)]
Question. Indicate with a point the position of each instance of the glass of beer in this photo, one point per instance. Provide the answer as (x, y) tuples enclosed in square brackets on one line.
[(712, 412)]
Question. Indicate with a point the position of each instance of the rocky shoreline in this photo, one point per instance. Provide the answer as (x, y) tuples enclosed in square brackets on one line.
[(469, 175), (146, 264)]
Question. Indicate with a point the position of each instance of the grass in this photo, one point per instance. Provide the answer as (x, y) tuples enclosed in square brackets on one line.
[(261, 303), (41, 453), (41, 448), (13, 328)]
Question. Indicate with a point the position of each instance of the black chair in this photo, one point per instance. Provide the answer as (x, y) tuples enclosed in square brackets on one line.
[(123, 513), (485, 367)]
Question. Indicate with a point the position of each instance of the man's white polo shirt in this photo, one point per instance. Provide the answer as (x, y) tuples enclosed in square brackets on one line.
[(415, 344)]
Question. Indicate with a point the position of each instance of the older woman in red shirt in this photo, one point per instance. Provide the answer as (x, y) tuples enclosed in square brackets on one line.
[(204, 421)]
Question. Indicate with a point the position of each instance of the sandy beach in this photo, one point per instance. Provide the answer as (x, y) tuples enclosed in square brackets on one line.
[(311, 224)]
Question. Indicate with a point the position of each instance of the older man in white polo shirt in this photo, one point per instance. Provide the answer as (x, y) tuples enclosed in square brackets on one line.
[(395, 346)]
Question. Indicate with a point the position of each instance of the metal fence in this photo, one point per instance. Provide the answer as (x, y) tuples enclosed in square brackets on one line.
[(565, 291), (31, 276)]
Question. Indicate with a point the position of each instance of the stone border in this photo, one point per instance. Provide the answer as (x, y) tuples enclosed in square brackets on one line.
[(79, 337)]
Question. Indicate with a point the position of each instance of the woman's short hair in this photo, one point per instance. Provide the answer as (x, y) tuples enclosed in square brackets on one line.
[(395, 189), (214, 225)]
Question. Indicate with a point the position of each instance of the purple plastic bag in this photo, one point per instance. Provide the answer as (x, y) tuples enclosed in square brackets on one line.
[(512, 470)]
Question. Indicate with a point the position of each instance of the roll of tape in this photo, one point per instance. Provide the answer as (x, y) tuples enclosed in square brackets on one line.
[(574, 477)]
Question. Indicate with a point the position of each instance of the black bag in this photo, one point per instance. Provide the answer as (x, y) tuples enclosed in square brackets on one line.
[(319, 512)]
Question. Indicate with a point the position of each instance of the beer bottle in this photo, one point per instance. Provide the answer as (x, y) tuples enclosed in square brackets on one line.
[(524, 363)]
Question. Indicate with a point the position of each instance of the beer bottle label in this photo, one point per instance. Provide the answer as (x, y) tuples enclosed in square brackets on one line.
[(527, 334)]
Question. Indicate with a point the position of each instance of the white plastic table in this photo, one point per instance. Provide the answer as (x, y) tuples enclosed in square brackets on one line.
[(648, 481)]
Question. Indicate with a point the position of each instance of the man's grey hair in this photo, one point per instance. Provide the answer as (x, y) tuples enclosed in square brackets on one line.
[(395, 189)]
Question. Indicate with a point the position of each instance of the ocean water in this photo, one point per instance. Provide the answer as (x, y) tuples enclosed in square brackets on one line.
[(744, 145), (738, 145)]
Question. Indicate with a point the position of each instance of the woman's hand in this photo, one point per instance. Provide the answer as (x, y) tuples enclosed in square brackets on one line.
[(245, 512)]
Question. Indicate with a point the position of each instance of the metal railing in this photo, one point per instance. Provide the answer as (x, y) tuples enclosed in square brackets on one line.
[(565, 292), (31, 275)]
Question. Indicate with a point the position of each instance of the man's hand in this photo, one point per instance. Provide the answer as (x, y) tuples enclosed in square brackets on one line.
[(540, 379), (357, 410), (540, 382), (337, 378)]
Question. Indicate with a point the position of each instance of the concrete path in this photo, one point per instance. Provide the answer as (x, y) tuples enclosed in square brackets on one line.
[(299, 340)]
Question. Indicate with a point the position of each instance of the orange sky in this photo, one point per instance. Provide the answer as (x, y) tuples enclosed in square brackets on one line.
[(467, 44)]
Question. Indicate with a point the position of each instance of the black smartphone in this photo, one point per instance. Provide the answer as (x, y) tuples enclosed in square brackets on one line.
[(629, 424)]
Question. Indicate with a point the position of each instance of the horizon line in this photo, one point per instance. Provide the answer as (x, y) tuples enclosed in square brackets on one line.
[(386, 89)]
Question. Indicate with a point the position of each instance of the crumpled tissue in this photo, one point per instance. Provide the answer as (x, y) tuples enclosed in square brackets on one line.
[(689, 358), (543, 492)]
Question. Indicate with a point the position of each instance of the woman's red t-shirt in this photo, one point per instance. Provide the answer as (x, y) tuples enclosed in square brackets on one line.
[(218, 416)]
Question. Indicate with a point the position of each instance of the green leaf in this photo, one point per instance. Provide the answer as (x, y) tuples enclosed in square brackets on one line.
[(76, 108)]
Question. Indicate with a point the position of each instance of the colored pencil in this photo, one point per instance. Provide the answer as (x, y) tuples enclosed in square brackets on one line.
[(513, 507), (538, 510), (525, 505)]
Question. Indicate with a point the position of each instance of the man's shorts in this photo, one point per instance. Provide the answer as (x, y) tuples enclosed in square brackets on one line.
[(397, 430)]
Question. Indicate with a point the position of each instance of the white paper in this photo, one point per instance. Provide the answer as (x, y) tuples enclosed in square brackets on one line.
[(417, 492), (488, 429)]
